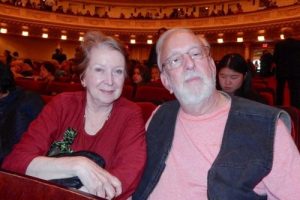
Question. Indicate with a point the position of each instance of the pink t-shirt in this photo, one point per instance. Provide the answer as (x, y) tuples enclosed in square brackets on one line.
[(196, 144)]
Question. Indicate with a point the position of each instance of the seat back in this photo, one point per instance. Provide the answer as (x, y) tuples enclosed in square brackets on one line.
[(127, 92), (147, 109), (32, 85), (14, 186), (268, 94), (58, 87), (156, 95)]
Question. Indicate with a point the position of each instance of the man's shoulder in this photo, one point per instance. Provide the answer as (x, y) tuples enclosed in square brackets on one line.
[(250, 106), (169, 106)]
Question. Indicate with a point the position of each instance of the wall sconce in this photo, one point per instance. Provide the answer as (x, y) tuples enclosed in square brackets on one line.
[(282, 36), (45, 35), (149, 41), (261, 38), (3, 30), (25, 33), (132, 41), (80, 38), (239, 39), (63, 37), (220, 40)]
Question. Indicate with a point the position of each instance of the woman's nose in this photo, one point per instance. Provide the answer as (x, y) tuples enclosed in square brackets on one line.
[(109, 78)]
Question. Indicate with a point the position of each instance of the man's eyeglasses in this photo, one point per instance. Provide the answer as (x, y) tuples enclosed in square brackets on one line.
[(176, 61)]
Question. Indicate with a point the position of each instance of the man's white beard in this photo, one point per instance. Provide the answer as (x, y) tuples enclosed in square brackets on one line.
[(195, 94)]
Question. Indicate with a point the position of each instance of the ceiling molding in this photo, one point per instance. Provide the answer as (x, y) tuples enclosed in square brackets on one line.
[(275, 19)]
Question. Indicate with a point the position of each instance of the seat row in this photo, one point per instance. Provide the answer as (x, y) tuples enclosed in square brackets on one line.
[(156, 95)]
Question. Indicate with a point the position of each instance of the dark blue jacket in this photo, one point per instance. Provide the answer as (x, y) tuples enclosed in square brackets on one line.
[(245, 157), (17, 110)]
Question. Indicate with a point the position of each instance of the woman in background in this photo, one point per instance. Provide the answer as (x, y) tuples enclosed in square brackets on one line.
[(234, 77), (98, 120)]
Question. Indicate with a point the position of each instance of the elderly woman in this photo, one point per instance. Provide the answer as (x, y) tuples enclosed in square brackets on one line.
[(97, 120)]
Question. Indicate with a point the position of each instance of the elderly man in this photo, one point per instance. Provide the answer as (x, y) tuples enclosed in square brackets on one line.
[(208, 145)]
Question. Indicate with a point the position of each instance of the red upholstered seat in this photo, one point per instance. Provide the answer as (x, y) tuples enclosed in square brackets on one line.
[(32, 85), (147, 109), (46, 98), (156, 95), (127, 92), (58, 87), (268, 94), (21, 187)]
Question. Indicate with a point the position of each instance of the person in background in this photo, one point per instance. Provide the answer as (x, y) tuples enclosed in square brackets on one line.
[(209, 145), (152, 59), (155, 77), (266, 63), (234, 77), (97, 119), (139, 75), (59, 55), (17, 109), (155, 74), (15, 55), (47, 72), (21, 69), (8, 57), (287, 59)]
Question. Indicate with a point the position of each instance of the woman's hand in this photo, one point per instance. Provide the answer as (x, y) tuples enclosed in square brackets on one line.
[(96, 180)]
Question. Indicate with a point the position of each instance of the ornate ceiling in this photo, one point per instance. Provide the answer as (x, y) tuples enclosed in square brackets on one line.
[(249, 25), (153, 2)]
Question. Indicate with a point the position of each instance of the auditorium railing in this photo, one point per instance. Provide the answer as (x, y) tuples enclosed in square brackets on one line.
[(281, 15)]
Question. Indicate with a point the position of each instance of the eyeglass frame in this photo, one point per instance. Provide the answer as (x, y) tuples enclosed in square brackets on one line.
[(204, 49)]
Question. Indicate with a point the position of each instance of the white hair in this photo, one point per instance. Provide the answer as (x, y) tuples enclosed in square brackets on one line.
[(162, 39)]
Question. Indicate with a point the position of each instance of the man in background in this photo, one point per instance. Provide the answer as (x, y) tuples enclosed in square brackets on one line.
[(287, 59)]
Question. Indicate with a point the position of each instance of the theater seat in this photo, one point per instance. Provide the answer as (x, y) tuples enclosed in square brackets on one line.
[(127, 92), (156, 95), (268, 94), (58, 87), (32, 85), (147, 109), (14, 186), (46, 98)]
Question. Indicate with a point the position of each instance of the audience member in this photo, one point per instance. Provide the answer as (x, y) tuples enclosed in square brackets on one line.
[(234, 77), (59, 55), (15, 55), (139, 74), (266, 63), (17, 109), (20, 69), (8, 57), (155, 74), (96, 120), (208, 145), (152, 59), (47, 72), (287, 59)]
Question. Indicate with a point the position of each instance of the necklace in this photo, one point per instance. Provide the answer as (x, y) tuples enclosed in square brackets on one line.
[(95, 122)]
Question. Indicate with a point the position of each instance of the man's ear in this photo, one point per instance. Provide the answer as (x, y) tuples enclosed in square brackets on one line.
[(166, 82)]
